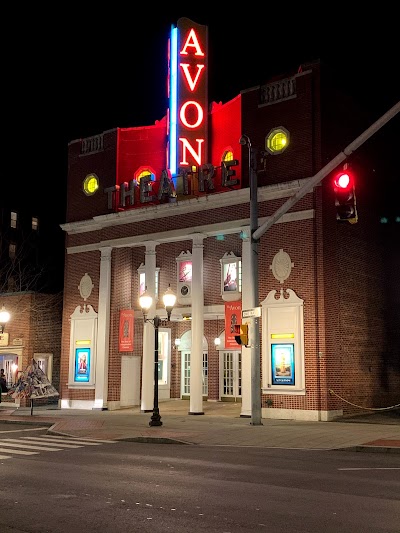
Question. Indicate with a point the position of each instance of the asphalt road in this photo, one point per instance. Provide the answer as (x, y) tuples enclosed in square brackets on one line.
[(133, 487)]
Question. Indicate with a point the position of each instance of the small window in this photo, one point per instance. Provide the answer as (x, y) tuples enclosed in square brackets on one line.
[(11, 284), (12, 250), (14, 218), (90, 184), (277, 141), (35, 223), (228, 156), (143, 174), (142, 280)]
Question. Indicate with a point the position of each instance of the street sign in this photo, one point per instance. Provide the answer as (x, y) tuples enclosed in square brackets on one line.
[(248, 313)]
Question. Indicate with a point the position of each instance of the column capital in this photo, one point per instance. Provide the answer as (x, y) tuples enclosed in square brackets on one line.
[(106, 252), (246, 233), (151, 246), (198, 239)]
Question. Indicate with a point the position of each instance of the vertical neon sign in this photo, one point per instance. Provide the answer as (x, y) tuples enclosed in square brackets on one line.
[(173, 100), (188, 106)]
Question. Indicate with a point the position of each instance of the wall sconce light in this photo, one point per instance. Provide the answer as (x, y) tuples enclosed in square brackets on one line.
[(177, 342), (4, 318)]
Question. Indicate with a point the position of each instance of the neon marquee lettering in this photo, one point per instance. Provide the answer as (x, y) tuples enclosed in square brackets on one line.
[(192, 132), (192, 42), (191, 82), (200, 114)]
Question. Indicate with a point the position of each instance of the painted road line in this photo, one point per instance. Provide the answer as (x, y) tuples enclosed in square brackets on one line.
[(378, 468)]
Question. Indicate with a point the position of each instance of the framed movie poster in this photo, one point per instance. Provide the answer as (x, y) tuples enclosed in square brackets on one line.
[(82, 365), (282, 364), (185, 271)]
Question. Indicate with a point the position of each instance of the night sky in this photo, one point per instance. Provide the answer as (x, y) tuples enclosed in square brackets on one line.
[(79, 71)]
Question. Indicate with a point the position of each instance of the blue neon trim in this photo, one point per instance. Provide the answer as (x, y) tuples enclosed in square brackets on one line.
[(173, 102)]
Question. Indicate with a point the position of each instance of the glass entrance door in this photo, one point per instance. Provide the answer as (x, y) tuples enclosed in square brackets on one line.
[(185, 377), (230, 375)]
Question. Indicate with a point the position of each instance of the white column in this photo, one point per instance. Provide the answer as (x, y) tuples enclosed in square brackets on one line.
[(196, 354), (147, 397), (246, 304), (103, 330)]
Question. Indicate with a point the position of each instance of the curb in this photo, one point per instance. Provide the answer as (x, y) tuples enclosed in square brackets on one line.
[(369, 449), (155, 440)]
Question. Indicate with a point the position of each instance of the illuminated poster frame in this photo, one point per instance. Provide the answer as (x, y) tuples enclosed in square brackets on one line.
[(82, 365), (282, 364)]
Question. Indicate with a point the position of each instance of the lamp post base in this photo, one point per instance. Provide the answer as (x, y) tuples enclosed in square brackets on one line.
[(155, 418)]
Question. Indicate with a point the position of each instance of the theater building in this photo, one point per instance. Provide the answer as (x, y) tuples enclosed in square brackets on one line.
[(168, 205)]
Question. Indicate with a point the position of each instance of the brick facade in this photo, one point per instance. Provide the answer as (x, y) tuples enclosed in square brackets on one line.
[(342, 272)]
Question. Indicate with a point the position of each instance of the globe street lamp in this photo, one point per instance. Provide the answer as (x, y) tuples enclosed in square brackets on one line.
[(4, 318), (145, 302)]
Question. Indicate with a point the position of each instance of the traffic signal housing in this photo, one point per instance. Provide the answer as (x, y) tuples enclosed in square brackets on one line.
[(345, 197), (241, 332)]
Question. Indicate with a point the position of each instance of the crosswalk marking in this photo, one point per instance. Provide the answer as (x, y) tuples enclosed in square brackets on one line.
[(21, 430), (17, 452), (14, 443), (46, 443), (70, 442), (60, 443)]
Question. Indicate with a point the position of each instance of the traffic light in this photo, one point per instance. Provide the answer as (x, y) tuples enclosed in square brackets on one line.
[(241, 332), (345, 197)]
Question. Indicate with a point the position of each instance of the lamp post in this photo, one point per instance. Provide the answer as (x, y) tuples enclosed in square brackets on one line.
[(255, 337), (4, 318), (146, 302)]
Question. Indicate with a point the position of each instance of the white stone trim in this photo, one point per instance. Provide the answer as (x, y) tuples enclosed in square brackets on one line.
[(300, 414), (181, 207), (210, 230)]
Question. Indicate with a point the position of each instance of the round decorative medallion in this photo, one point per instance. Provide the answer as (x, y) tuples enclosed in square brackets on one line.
[(184, 290), (281, 266), (86, 286)]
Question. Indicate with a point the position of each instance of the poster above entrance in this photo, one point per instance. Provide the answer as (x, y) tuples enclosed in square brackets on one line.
[(233, 314), (126, 330)]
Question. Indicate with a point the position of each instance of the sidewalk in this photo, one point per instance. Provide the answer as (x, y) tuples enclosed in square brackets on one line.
[(221, 425)]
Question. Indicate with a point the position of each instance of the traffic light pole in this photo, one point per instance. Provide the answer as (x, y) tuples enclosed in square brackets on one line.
[(256, 233), (255, 337), (312, 182)]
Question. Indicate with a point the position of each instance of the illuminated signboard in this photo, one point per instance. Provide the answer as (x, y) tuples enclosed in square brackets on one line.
[(188, 109), (188, 170)]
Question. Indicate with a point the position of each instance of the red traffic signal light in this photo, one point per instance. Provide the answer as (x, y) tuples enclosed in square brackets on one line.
[(345, 197)]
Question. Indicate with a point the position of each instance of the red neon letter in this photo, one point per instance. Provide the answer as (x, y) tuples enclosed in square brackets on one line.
[(200, 114), (192, 42), (187, 146), (191, 82)]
